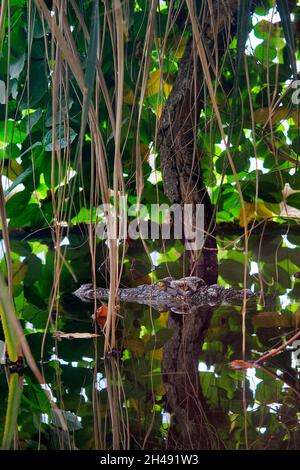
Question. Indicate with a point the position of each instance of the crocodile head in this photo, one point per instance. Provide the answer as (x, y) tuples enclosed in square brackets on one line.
[(165, 289)]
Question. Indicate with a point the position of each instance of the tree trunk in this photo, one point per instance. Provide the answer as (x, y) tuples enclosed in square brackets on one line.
[(177, 145), (191, 426)]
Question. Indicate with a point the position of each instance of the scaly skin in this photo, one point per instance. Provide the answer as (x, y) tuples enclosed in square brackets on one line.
[(170, 294)]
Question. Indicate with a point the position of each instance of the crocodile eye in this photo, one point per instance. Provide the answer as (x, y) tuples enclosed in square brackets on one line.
[(161, 284)]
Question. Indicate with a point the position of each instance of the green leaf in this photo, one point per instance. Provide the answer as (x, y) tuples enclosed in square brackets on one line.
[(268, 391), (265, 53), (277, 274), (17, 203), (17, 3), (2, 30), (263, 7), (32, 119), (296, 145), (14, 134), (7, 315), (91, 62), (19, 180), (159, 340), (31, 216), (35, 316), (262, 28), (90, 71)]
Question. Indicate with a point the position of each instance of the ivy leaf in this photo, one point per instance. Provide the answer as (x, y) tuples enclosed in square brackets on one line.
[(287, 27), (240, 159), (14, 133), (265, 53), (62, 141), (17, 203), (32, 119)]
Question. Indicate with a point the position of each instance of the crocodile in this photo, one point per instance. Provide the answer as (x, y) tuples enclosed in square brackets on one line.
[(177, 295)]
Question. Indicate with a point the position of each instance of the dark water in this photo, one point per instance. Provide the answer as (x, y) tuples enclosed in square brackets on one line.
[(171, 384)]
